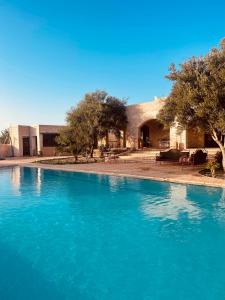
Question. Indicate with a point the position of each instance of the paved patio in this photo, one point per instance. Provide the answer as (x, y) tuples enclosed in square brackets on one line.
[(138, 169)]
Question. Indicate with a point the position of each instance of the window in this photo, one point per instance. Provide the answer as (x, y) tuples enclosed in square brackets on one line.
[(49, 139)]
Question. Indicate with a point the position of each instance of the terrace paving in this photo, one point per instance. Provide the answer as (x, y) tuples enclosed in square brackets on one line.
[(141, 168)]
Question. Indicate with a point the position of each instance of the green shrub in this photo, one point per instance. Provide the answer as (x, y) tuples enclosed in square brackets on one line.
[(212, 166)]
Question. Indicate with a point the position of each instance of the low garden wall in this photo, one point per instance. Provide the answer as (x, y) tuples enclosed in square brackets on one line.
[(5, 150)]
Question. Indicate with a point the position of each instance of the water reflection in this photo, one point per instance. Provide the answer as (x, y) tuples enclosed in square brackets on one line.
[(172, 205), (115, 183), (38, 180), (26, 176), (222, 199), (155, 199), (16, 180)]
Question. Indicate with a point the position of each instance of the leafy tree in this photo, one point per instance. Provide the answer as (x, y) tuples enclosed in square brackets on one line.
[(113, 117), (5, 137), (70, 141), (82, 122), (197, 98), (91, 119), (86, 116)]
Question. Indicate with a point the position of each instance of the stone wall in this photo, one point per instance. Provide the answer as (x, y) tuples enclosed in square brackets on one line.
[(5, 150), (178, 137), (137, 115), (48, 151), (14, 134), (195, 138), (50, 128)]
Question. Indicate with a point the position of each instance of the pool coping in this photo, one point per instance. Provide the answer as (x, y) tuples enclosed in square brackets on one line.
[(196, 181)]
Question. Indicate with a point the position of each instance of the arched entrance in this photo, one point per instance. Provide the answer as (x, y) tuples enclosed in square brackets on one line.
[(152, 134)]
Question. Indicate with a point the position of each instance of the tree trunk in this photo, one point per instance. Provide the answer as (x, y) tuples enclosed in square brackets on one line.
[(221, 146), (87, 156), (107, 139), (124, 138), (92, 151), (223, 160), (213, 173)]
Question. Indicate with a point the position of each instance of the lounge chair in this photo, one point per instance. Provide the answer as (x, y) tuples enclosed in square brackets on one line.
[(198, 157), (171, 155)]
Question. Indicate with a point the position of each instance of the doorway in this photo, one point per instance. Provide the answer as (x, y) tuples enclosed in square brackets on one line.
[(145, 136), (26, 146)]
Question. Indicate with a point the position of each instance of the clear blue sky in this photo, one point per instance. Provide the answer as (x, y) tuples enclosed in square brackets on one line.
[(52, 52)]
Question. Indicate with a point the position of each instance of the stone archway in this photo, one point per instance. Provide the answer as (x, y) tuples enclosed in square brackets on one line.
[(152, 134), (138, 115)]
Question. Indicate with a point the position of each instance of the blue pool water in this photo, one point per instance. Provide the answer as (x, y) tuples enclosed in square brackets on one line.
[(78, 236)]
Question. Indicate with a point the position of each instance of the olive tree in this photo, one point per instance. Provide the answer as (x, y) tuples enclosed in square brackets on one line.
[(85, 118), (113, 117), (71, 141), (5, 137), (197, 98), (91, 119)]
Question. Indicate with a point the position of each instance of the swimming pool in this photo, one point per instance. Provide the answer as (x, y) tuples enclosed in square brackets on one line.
[(82, 236)]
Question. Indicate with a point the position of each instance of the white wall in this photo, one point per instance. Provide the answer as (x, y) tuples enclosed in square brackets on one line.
[(17, 133)]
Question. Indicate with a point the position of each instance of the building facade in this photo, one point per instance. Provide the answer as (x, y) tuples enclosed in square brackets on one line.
[(143, 131), (34, 140)]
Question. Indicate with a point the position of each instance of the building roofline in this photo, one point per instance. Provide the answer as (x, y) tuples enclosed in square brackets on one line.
[(156, 99)]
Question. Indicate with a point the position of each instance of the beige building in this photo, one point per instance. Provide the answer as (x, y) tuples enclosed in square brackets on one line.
[(143, 131), (34, 140)]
